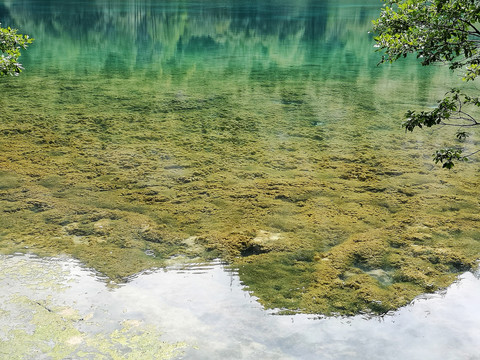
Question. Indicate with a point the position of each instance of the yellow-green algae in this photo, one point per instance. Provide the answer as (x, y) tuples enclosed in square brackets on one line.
[(36, 327), (304, 181), (308, 222), (55, 334)]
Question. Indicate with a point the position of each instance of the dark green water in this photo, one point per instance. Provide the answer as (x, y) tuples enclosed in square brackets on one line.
[(260, 132), (180, 41)]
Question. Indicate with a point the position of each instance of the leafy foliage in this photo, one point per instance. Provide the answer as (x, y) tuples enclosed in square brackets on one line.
[(449, 111), (10, 45), (447, 157), (437, 31)]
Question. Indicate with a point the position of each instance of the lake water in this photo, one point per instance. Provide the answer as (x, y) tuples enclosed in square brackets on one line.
[(146, 133), (203, 312)]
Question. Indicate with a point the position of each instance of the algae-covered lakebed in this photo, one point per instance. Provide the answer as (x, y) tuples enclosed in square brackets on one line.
[(145, 132)]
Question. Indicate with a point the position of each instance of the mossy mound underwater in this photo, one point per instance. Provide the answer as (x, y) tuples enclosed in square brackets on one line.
[(301, 180), (338, 244)]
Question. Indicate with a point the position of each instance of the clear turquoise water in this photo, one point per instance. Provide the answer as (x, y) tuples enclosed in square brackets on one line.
[(261, 40)]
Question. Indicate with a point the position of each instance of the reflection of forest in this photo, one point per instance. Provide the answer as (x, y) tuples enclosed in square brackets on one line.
[(141, 34)]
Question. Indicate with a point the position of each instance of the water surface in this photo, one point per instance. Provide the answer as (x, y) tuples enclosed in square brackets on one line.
[(259, 132), (203, 312)]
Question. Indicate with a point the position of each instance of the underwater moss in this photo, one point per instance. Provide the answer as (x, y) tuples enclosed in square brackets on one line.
[(53, 332), (299, 176)]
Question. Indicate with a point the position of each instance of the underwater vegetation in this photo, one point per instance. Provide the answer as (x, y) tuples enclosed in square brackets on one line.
[(315, 221), (300, 178), (37, 326)]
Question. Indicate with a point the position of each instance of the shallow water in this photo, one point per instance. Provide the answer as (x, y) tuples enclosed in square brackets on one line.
[(205, 311), (260, 132)]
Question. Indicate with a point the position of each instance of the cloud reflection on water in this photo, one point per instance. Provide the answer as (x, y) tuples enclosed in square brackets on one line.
[(206, 307)]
